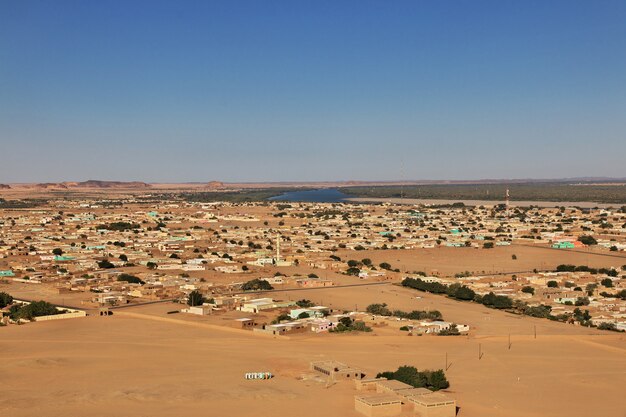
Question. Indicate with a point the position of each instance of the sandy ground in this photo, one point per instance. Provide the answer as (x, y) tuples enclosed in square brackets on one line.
[(448, 261), (138, 364)]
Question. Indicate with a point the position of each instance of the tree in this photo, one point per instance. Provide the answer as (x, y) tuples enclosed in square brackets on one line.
[(587, 240), (346, 321), (123, 258), (528, 290), (582, 301), (105, 264), (460, 292), (590, 288), (607, 282), (303, 315), (433, 380), (437, 380), (385, 265), (565, 268), (57, 251), (353, 271), (5, 299), (281, 317), (346, 324), (378, 309), (553, 284), (304, 303), (130, 279), (195, 298), (497, 301), (488, 245), (256, 285), (151, 265)]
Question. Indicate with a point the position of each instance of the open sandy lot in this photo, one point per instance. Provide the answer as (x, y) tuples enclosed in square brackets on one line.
[(448, 261), (138, 364)]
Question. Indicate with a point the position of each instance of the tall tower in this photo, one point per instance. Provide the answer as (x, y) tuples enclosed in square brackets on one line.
[(277, 248), (506, 201)]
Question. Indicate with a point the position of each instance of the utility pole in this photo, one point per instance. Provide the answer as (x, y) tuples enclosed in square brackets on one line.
[(535, 326), (480, 353), (509, 341)]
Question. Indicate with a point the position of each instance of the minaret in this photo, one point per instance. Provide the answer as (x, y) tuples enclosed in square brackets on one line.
[(506, 202), (277, 248)]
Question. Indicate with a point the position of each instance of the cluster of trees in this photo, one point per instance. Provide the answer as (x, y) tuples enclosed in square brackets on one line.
[(130, 279), (433, 380), (608, 326), (32, 310), (382, 310), (584, 268), (5, 299), (503, 302), (346, 324), (256, 285), (118, 226), (459, 292), (621, 294)]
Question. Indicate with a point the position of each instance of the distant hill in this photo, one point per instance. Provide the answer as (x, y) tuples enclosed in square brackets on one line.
[(68, 185), (5, 187), (215, 184), (108, 184)]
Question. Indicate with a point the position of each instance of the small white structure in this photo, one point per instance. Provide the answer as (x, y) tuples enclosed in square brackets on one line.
[(202, 310)]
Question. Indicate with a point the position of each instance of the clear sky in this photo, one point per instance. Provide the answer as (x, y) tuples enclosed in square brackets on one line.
[(311, 90)]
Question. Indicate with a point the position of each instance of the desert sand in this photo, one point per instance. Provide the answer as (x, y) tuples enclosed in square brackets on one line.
[(144, 362)]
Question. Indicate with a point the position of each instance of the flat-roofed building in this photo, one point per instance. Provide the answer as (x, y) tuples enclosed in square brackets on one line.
[(413, 392), (434, 404), (391, 386), (244, 323), (202, 310), (367, 384), (337, 370), (378, 405)]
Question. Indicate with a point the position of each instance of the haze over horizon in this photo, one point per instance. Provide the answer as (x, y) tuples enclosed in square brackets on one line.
[(326, 91)]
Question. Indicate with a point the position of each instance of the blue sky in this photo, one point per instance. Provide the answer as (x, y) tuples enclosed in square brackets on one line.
[(311, 90)]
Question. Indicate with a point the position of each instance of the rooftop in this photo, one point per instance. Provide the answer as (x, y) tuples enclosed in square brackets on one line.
[(433, 399), (378, 399)]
